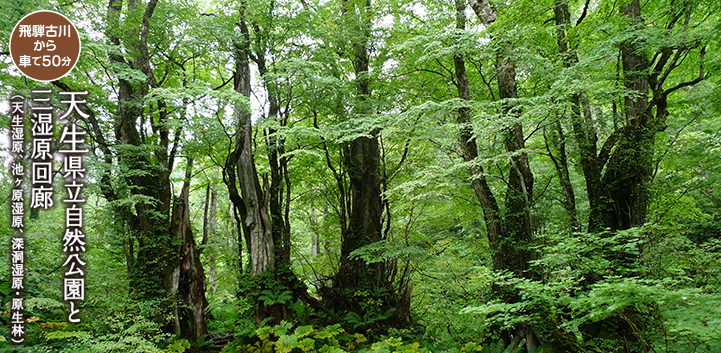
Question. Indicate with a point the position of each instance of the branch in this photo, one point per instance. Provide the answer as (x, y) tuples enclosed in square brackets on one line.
[(165, 75), (583, 14), (144, 29), (451, 73), (533, 201), (325, 147), (490, 90), (663, 214), (548, 148), (692, 82), (675, 138), (105, 69), (662, 62), (663, 55), (400, 164), (224, 83), (435, 72), (606, 149)]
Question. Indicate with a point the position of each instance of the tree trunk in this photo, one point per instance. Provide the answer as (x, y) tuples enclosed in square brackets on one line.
[(191, 276), (629, 166), (279, 186), (357, 281), (514, 234), (469, 151), (619, 196), (362, 161), (560, 162), (253, 201), (510, 233), (152, 268), (210, 227)]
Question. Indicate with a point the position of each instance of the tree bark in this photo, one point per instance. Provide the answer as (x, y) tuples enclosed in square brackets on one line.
[(618, 176), (510, 232), (361, 160), (279, 184), (191, 276), (252, 203), (512, 253), (469, 151), (601, 207), (629, 166), (210, 227), (152, 265), (560, 162)]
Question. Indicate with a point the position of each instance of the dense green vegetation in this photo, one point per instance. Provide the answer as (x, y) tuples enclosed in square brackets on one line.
[(385, 176)]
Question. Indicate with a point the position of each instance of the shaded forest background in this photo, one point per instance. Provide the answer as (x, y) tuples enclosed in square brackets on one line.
[(385, 176)]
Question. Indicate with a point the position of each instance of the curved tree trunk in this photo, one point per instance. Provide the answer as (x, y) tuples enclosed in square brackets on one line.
[(252, 202)]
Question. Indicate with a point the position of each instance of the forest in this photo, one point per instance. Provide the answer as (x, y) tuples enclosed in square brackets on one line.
[(378, 176)]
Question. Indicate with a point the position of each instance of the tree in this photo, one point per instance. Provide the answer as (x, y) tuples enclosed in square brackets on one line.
[(510, 234), (142, 194), (252, 202), (146, 173), (361, 202), (618, 176), (190, 314)]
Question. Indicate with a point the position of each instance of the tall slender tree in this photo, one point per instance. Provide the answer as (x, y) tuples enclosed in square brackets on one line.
[(253, 201), (510, 231)]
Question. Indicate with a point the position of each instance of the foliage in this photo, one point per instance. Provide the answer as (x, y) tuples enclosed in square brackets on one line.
[(329, 339), (130, 331), (275, 296), (371, 316), (589, 280), (651, 287)]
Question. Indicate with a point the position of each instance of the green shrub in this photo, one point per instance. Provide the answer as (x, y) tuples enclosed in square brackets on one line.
[(329, 339)]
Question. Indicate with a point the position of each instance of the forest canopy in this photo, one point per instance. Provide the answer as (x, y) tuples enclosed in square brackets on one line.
[(380, 176)]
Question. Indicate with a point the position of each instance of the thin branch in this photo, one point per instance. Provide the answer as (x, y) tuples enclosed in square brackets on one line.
[(607, 147), (435, 72), (583, 14), (692, 82), (660, 217), (400, 164), (675, 138), (542, 191), (674, 63), (451, 73)]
